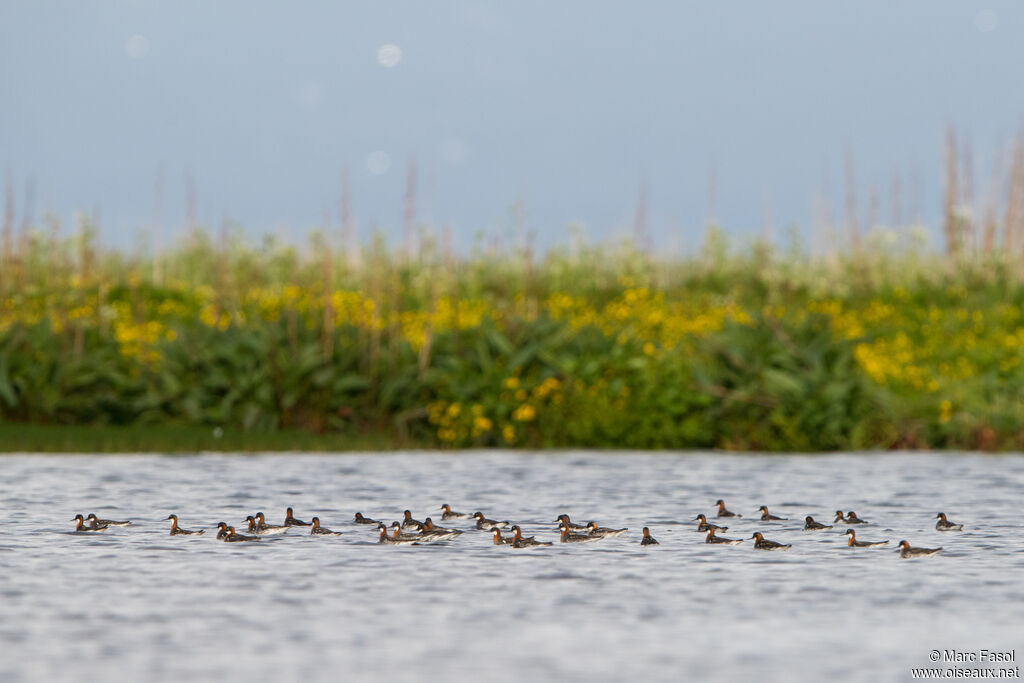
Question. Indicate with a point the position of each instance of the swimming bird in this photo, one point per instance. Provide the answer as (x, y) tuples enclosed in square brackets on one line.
[(839, 517), (82, 529), (711, 538), (722, 512), (94, 521), (395, 539), (594, 530), (410, 523), (364, 520), (267, 529), (448, 514), (222, 530), (852, 518), (178, 531), (648, 539), (945, 525), (567, 536), (234, 537), (502, 540), (854, 543), (705, 525), (761, 543), (428, 525), (289, 519), (564, 519), (811, 525), (906, 551), (321, 530), (487, 524), (520, 541), (396, 532), (769, 517), (436, 533)]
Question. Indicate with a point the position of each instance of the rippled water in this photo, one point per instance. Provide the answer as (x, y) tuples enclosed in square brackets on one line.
[(136, 604)]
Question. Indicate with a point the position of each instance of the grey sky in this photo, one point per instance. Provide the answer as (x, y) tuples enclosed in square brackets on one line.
[(564, 107)]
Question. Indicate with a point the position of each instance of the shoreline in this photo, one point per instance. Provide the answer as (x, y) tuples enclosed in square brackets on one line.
[(186, 440)]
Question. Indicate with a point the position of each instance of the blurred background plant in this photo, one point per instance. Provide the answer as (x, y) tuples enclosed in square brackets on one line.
[(881, 344)]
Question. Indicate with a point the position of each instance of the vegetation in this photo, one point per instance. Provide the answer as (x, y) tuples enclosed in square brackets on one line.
[(886, 347), (175, 438)]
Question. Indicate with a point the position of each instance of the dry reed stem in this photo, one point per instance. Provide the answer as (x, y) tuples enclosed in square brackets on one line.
[(852, 226), (1014, 225), (949, 218)]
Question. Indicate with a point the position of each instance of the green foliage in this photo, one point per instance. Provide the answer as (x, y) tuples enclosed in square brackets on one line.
[(600, 348)]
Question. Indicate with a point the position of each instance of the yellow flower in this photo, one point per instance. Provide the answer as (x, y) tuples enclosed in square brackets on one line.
[(511, 383), (524, 413), (480, 425), (508, 433), (945, 411)]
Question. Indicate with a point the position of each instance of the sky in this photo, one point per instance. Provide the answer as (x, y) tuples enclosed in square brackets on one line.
[(519, 117)]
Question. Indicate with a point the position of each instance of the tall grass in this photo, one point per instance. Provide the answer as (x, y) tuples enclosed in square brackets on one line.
[(881, 344)]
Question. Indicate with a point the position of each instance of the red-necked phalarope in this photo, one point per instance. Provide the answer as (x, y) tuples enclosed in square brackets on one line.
[(448, 514), (364, 520), (178, 531), (409, 523), (222, 530), (501, 540), (289, 519), (520, 541), (568, 536), (82, 529), (594, 530), (487, 524), (396, 532), (436, 533), (94, 521), (711, 538), (648, 539), (945, 525), (769, 517), (854, 543), (233, 537), (906, 551), (811, 525), (761, 543), (852, 518), (267, 529), (722, 512), (321, 530), (564, 519), (705, 524), (396, 538)]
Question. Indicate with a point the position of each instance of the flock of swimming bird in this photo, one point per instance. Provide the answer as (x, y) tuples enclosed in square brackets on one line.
[(413, 532)]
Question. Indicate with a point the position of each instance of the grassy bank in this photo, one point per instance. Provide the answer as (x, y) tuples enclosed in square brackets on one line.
[(597, 346)]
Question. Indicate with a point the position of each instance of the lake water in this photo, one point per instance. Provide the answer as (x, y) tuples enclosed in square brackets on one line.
[(134, 604)]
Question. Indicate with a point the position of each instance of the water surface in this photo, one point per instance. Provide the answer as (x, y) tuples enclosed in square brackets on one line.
[(136, 604)]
